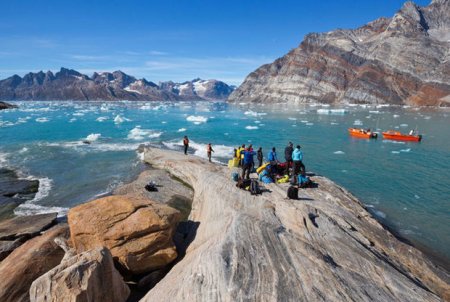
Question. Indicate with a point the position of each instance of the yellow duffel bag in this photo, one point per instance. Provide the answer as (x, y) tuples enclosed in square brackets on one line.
[(233, 163), (261, 168)]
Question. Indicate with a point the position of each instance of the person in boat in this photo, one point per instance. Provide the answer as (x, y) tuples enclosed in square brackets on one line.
[(288, 156), (247, 162), (209, 150), (185, 144), (260, 157), (411, 132), (297, 158)]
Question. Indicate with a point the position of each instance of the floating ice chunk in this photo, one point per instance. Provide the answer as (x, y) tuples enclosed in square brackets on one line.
[(309, 124), (42, 120), (102, 118), (197, 119), (253, 113), (332, 111), (403, 125), (395, 152), (181, 130), (92, 137), (405, 150), (358, 123), (251, 127), (292, 118), (139, 134), (396, 116), (339, 152), (118, 119)]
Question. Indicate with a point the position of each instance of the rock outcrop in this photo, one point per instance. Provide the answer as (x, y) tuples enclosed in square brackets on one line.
[(401, 60), (28, 262), (323, 247), (89, 276), (4, 105), (15, 231), (69, 84), (138, 232), (14, 191)]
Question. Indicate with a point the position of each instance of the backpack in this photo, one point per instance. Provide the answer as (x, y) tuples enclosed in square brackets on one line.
[(254, 187), (243, 183), (235, 176), (151, 187), (292, 192)]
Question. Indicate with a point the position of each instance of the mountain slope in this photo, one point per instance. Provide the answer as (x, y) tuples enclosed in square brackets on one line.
[(68, 84), (398, 60)]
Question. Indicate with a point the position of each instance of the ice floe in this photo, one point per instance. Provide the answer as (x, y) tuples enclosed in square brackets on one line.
[(197, 119)]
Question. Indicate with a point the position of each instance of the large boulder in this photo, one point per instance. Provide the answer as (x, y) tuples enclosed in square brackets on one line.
[(15, 231), (28, 262), (89, 276), (138, 232)]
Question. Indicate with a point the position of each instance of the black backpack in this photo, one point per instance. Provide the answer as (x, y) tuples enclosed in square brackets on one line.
[(254, 187), (243, 183), (292, 192)]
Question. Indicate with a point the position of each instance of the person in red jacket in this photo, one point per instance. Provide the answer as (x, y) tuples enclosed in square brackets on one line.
[(209, 149), (185, 144)]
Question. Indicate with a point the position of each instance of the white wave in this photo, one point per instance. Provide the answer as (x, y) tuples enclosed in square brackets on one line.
[(93, 137), (23, 150), (137, 133), (251, 127), (197, 119), (220, 151), (3, 159), (379, 214), (42, 120), (181, 130), (28, 209), (102, 118), (339, 152)]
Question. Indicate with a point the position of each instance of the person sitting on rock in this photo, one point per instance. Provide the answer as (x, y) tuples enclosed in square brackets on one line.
[(303, 180)]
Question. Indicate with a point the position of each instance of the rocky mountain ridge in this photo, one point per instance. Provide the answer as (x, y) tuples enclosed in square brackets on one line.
[(69, 84), (400, 60)]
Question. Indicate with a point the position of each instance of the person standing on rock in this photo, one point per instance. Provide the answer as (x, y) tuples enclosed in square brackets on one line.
[(288, 156), (185, 144), (241, 155), (209, 149), (297, 157), (260, 157), (247, 162)]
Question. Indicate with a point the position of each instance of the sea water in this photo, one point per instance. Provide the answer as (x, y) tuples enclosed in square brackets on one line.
[(82, 150)]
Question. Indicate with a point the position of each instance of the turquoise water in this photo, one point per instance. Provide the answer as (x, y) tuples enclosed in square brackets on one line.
[(405, 185)]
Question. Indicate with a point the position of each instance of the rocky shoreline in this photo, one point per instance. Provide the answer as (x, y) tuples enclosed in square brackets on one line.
[(199, 238)]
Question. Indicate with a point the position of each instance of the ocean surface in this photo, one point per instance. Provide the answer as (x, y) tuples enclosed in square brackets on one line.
[(405, 185)]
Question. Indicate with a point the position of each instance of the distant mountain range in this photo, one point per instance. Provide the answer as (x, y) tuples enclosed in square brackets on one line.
[(69, 84), (400, 60)]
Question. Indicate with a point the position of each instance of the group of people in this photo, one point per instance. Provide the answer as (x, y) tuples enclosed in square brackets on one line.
[(292, 166)]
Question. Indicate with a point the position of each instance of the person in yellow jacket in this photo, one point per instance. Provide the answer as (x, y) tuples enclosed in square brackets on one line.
[(241, 155)]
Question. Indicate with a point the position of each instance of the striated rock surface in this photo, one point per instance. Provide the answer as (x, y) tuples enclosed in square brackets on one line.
[(28, 262), (400, 60), (15, 231), (323, 247), (89, 276), (138, 232), (69, 84)]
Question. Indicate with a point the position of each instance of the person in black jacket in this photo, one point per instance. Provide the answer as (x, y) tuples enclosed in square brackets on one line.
[(288, 156), (260, 157)]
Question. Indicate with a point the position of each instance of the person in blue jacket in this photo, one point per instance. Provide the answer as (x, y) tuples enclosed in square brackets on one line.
[(247, 162), (297, 157), (272, 156)]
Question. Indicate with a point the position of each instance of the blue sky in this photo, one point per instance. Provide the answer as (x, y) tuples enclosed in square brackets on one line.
[(168, 40)]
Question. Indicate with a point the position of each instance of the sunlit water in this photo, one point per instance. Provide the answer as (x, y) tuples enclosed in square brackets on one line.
[(405, 185)]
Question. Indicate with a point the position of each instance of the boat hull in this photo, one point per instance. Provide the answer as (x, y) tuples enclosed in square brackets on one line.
[(402, 137), (360, 133)]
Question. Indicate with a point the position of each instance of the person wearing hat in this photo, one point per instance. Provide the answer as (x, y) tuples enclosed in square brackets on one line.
[(288, 156), (297, 157)]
